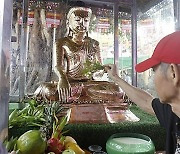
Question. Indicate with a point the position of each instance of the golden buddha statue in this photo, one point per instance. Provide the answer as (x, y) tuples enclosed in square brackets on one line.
[(70, 55)]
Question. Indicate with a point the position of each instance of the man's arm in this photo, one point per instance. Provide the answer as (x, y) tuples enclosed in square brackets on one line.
[(138, 96)]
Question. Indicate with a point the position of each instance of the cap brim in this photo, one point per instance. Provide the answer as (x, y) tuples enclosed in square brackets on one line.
[(147, 64)]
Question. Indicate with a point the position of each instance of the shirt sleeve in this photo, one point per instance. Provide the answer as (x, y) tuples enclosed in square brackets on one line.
[(161, 111)]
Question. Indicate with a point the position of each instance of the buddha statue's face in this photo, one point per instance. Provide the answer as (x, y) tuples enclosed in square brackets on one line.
[(79, 21)]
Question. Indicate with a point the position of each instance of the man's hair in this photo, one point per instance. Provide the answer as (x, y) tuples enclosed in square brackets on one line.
[(164, 67)]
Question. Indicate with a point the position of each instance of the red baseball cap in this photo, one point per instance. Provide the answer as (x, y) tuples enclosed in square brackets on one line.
[(167, 51)]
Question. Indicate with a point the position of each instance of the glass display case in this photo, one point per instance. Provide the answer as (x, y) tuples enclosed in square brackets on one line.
[(127, 32), (36, 29)]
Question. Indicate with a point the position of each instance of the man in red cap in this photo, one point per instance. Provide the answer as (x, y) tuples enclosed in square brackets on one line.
[(165, 62)]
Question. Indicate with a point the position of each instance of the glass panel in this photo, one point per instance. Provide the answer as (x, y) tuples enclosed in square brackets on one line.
[(102, 29), (46, 22), (152, 26), (125, 48)]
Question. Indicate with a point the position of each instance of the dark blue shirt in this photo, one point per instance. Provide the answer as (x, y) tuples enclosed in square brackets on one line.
[(171, 122)]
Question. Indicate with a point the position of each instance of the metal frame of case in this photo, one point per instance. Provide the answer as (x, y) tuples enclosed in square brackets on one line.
[(5, 39)]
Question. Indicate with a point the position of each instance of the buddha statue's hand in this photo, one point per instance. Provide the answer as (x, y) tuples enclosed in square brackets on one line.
[(64, 90)]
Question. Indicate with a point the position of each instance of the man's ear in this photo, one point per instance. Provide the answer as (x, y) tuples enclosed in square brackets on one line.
[(175, 73)]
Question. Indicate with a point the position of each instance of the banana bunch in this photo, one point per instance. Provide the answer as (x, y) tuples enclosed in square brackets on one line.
[(71, 146)]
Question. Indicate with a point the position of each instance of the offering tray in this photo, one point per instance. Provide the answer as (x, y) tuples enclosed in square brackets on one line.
[(101, 113), (88, 113), (117, 114)]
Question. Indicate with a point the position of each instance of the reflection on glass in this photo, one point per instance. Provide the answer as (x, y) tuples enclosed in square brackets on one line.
[(152, 26), (47, 23)]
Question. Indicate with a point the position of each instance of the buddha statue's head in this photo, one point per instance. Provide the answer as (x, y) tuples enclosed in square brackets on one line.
[(78, 19)]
